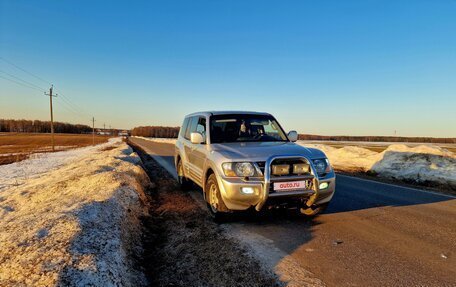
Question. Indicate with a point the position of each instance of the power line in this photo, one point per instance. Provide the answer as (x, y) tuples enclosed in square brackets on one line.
[(69, 109), (66, 102), (26, 84), (66, 99), (21, 84), (22, 80), (25, 71), (75, 106)]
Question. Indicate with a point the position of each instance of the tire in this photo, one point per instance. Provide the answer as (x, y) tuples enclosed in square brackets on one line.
[(184, 183), (313, 210), (216, 206)]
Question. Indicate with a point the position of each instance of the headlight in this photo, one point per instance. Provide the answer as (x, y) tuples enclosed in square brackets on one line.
[(322, 165), (241, 169)]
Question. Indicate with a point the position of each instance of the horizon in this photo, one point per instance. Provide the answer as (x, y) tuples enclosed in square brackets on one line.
[(305, 134), (330, 69)]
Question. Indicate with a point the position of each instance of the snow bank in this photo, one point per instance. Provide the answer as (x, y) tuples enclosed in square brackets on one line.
[(19, 172), (77, 224), (160, 140), (419, 163), (423, 163)]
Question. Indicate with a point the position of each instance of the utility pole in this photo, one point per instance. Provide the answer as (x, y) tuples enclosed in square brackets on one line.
[(93, 130), (52, 115)]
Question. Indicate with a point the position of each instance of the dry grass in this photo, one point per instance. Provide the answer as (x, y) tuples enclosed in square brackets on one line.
[(18, 146)]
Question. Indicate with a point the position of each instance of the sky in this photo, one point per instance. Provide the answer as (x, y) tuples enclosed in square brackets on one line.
[(320, 67)]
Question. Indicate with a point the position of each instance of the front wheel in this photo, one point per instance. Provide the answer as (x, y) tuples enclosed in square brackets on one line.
[(215, 204), (184, 183), (312, 211)]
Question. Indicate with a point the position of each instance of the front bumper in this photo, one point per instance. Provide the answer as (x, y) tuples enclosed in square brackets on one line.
[(235, 199)]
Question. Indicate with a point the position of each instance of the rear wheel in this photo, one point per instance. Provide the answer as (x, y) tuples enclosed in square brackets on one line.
[(215, 204), (184, 183), (313, 210)]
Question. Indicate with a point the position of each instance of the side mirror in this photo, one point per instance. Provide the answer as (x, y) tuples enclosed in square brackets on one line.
[(196, 138), (293, 136)]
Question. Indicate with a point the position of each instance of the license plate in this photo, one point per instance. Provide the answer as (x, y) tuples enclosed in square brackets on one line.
[(290, 185)]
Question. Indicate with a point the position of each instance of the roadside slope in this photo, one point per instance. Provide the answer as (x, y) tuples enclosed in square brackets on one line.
[(77, 224)]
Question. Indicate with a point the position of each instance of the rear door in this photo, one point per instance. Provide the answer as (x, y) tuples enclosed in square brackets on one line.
[(180, 144), (188, 148), (199, 150)]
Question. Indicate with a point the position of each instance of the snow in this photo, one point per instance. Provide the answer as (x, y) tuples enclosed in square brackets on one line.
[(160, 140), (19, 172), (375, 144), (422, 163), (73, 219), (415, 162)]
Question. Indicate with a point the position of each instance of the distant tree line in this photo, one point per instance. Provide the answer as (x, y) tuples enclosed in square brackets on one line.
[(156, 132), (36, 126), (172, 132), (378, 139)]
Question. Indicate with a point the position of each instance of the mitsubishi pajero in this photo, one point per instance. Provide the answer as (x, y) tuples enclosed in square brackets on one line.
[(245, 160)]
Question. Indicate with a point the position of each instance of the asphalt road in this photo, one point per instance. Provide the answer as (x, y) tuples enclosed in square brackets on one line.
[(373, 234)]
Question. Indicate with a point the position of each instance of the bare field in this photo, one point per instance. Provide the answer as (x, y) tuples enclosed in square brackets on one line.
[(18, 146)]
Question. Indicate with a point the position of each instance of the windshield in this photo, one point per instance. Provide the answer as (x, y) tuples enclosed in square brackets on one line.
[(245, 128)]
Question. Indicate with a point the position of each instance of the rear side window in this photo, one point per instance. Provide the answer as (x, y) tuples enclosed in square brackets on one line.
[(184, 127), (193, 121)]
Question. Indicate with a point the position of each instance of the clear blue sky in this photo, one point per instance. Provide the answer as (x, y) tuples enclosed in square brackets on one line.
[(321, 67)]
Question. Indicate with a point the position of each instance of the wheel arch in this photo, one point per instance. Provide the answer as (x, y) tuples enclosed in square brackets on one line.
[(209, 171), (176, 159)]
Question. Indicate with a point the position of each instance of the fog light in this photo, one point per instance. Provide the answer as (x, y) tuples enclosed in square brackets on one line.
[(280, 169), (324, 185), (247, 190), (299, 168)]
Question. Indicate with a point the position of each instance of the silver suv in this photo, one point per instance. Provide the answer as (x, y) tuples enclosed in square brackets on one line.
[(245, 159)]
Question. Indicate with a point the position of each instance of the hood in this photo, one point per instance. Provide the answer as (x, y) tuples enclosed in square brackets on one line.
[(260, 151)]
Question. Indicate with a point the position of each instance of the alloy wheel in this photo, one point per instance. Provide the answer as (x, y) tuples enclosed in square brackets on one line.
[(213, 198)]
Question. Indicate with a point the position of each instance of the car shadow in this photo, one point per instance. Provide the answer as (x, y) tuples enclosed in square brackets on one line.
[(354, 194)]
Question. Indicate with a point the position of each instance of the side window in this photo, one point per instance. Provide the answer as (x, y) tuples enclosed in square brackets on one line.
[(201, 126), (193, 121), (184, 127)]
